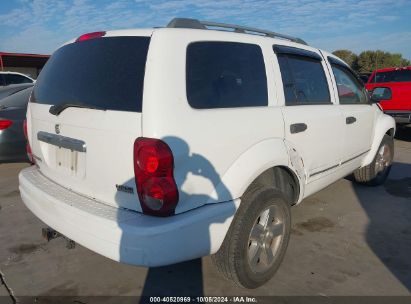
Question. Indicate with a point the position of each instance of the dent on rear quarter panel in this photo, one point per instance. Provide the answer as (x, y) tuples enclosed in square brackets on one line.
[(253, 162)]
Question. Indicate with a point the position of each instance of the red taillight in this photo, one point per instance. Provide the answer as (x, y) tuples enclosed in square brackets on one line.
[(5, 123), (89, 36), (153, 169), (28, 148), (25, 128)]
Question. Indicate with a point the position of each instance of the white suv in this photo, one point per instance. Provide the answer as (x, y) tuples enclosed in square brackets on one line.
[(155, 146)]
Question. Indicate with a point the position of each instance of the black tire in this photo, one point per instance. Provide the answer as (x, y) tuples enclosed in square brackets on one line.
[(368, 175), (232, 260)]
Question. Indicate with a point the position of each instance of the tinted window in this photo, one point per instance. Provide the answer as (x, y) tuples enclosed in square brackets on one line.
[(304, 80), (15, 79), (350, 90), (104, 72), (2, 83), (225, 75), (393, 76)]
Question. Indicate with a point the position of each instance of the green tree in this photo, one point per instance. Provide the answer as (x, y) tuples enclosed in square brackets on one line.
[(369, 61), (349, 57)]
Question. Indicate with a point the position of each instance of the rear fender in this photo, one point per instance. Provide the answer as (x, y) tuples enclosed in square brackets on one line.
[(256, 160)]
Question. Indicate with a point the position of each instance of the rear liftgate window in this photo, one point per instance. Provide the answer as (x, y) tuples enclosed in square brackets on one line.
[(105, 73), (225, 75)]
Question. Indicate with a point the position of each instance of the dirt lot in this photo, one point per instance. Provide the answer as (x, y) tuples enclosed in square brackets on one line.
[(346, 240)]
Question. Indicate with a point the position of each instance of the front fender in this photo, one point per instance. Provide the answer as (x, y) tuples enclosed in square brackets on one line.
[(383, 124)]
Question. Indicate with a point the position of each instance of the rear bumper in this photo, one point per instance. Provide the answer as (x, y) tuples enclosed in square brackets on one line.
[(123, 235), (400, 116)]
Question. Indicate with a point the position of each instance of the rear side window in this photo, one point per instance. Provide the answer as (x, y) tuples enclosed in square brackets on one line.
[(106, 73), (304, 80), (225, 75), (393, 76)]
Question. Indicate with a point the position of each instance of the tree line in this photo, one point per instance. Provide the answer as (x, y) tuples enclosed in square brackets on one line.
[(368, 61)]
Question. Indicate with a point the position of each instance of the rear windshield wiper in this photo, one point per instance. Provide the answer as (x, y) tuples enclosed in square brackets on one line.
[(57, 109)]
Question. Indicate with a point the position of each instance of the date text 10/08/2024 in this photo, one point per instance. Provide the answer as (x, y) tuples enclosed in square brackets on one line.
[(203, 300)]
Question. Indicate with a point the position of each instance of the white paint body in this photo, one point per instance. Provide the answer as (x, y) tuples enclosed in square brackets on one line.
[(238, 144)]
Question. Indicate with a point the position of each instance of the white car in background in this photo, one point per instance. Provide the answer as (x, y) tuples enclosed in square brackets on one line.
[(156, 146), (7, 78)]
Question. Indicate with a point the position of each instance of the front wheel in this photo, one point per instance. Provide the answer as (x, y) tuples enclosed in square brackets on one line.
[(377, 172), (257, 240)]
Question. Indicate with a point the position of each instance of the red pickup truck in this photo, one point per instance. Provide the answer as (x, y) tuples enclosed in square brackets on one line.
[(399, 81)]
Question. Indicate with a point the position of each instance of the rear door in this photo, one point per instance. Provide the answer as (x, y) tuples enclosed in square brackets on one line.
[(85, 113), (313, 123)]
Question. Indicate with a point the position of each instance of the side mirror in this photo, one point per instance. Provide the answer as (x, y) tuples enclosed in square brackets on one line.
[(380, 93)]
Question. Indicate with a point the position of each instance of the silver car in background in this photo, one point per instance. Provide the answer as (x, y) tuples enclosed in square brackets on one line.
[(13, 107)]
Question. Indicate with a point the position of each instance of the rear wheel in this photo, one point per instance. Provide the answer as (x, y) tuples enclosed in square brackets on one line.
[(257, 240), (377, 172)]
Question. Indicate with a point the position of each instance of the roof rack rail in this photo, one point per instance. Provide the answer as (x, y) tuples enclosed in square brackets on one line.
[(203, 25)]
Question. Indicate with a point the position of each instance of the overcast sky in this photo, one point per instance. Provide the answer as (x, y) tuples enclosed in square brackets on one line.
[(41, 26)]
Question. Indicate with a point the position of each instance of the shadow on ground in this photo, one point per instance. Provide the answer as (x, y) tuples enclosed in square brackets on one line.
[(179, 279), (403, 133), (389, 231)]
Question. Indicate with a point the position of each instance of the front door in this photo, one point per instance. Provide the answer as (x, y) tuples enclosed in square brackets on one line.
[(357, 112)]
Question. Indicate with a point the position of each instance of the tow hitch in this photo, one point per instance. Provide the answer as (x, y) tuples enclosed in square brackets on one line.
[(51, 234)]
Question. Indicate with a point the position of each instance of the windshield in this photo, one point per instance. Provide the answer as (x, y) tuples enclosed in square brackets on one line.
[(393, 76), (105, 73)]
